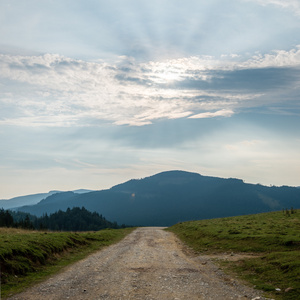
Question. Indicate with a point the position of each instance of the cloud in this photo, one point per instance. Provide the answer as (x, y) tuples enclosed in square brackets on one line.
[(292, 5), (219, 113), (245, 146), (53, 90), (277, 58)]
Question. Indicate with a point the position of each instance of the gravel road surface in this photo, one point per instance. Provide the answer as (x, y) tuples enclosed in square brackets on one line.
[(150, 263)]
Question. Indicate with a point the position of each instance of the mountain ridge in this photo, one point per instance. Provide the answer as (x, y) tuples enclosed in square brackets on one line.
[(32, 198), (170, 197)]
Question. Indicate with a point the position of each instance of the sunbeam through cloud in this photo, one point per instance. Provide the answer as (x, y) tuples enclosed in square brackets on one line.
[(129, 88)]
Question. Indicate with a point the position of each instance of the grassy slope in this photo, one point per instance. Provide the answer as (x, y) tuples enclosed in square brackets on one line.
[(275, 236), (27, 257)]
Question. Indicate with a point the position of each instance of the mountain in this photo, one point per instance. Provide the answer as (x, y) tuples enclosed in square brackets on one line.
[(174, 196), (32, 199), (82, 191), (24, 200)]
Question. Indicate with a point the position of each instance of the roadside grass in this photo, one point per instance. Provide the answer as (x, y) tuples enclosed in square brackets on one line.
[(274, 236), (28, 257)]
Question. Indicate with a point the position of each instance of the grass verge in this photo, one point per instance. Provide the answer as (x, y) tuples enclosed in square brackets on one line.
[(274, 236), (28, 257)]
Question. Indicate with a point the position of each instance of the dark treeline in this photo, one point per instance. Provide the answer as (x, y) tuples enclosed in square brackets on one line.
[(75, 219), (7, 220)]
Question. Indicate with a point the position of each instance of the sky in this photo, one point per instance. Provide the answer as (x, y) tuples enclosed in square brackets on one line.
[(94, 92)]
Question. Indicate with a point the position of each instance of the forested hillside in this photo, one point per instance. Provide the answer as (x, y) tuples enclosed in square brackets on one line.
[(75, 219), (175, 196)]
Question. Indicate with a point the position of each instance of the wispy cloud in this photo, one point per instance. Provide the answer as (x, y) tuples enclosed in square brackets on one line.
[(219, 113), (277, 58), (52, 90), (292, 5)]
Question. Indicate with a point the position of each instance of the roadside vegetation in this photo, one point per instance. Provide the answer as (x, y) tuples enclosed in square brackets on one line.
[(27, 256), (273, 239)]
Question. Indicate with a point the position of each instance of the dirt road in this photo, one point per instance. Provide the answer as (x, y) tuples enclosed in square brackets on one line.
[(150, 263)]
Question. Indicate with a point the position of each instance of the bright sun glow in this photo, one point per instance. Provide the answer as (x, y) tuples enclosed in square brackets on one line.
[(168, 76), (166, 71)]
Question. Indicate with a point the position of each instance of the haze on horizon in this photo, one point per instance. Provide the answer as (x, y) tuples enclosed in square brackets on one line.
[(94, 93)]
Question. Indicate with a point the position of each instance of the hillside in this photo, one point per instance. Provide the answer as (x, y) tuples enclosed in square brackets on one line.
[(24, 200), (175, 196), (75, 219), (28, 256), (262, 248), (31, 199)]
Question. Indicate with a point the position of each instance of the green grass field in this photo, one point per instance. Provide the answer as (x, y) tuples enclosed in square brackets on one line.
[(27, 257), (275, 237)]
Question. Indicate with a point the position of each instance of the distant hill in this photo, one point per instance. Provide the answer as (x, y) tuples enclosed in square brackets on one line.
[(174, 196), (31, 199), (24, 200)]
